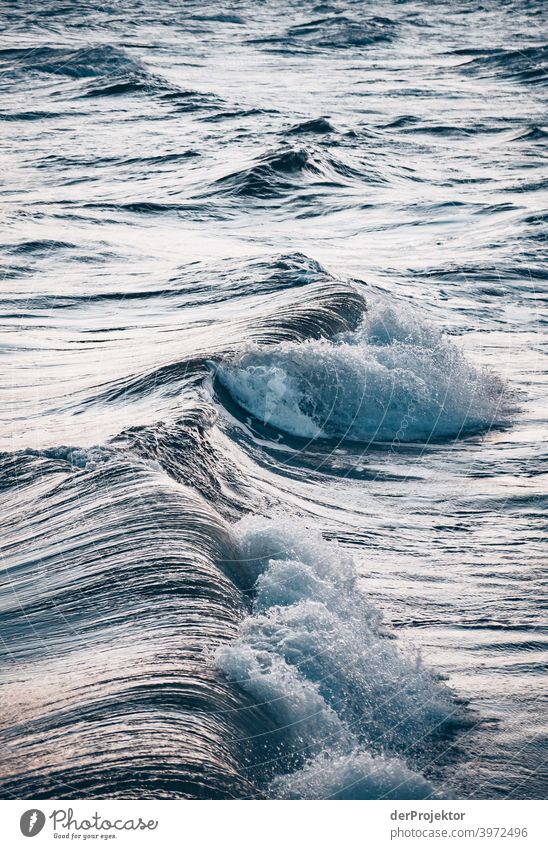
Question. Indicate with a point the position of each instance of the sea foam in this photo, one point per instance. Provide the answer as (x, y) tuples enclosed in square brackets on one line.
[(394, 378), (351, 709)]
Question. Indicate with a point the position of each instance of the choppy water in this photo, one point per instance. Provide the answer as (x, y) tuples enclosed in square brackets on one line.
[(273, 399)]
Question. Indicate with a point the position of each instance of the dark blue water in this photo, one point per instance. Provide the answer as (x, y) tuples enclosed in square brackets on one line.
[(273, 399)]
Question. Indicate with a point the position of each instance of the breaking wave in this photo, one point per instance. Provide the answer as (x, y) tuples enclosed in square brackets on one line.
[(313, 654), (394, 378)]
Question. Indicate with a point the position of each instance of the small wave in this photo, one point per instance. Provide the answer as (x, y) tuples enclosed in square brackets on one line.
[(319, 126), (438, 130), (141, 207), (96, 61), (188, 100), (313, 654), (394, 379), (283, 171), (532, 133), (221, 18), (134, 86), (528, 65), (334, 32), (29, 116), (106, 70), (229, 114), (39, 246)]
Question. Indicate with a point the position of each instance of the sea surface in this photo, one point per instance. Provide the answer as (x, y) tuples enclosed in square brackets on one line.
[(273, 398)]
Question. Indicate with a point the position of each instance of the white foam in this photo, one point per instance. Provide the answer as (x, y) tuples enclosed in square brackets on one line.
[(314, 654), (395, 378), (355, 776)]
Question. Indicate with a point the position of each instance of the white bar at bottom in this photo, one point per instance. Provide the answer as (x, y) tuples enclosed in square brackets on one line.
[(284, 825)]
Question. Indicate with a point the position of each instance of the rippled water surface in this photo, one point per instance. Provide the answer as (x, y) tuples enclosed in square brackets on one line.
[(273, 397)]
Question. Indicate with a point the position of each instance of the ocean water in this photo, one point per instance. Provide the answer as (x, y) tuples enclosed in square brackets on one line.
[(273, 399)]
